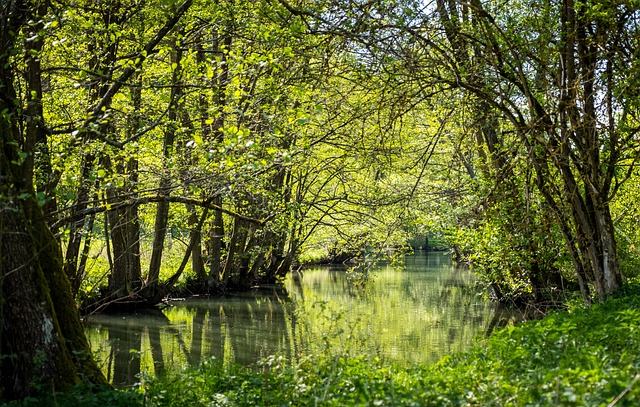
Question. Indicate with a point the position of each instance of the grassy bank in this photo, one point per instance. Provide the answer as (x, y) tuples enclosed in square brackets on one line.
[(586, 356)]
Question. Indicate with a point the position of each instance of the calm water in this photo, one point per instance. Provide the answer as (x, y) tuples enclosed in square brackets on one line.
[(411, 315)]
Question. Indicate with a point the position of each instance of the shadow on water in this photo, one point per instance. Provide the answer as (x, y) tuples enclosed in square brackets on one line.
[(407, 316), (240, 329), (119, 342)]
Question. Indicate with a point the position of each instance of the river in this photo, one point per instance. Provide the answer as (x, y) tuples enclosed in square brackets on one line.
[(405, 315)]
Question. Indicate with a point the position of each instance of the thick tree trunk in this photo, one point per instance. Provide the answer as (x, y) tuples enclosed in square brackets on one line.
[(33, 345), (125, 279), (285, 265), (159, 233), (250, 258), (41, 337), (612, 275)]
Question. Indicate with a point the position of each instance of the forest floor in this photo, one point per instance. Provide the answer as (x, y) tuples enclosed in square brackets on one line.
[(586, 356)]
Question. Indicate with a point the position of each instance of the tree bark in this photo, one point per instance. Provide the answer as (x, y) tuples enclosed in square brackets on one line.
[(197, 260), (162, 210), (41, 337), (125, 279)]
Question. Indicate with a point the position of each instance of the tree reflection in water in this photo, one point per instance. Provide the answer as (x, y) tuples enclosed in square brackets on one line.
[(407, 316)]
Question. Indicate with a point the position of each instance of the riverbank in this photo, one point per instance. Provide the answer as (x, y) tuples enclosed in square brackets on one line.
[(584, 356)]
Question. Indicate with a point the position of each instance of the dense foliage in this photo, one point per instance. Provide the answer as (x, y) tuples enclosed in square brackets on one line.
[(220, 144), (256, 135)]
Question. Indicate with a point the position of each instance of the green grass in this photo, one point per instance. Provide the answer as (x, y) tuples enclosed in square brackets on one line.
[(587, 356)]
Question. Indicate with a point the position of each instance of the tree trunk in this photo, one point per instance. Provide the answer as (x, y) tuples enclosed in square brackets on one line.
[(162, 210), (30, 330), (235, 253), (41, 338), (125, 279), (197, 261), (215, 246), (611, 270), (126, 273), (84, 256), (38, 163), (80, 203)]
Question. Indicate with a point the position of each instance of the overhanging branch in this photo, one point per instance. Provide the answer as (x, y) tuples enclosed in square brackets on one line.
[(207, 204)]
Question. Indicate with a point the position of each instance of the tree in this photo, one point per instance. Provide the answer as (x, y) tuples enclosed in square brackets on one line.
[(556, 79), (42, 340), (557, 76)]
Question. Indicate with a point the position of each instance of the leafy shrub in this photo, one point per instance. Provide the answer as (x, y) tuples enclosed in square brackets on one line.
[(82, 396)]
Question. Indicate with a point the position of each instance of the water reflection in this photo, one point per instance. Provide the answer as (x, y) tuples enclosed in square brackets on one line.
[(413, 315), (241, 329)]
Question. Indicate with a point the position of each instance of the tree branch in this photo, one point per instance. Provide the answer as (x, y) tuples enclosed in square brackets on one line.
[(159, 198), (140, 57)]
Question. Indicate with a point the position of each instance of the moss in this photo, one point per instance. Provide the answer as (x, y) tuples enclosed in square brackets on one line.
[(41, 325), (31, 334), (65, 309)]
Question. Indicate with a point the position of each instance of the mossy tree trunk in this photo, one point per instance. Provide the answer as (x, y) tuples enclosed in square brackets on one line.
[(42, 341)]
